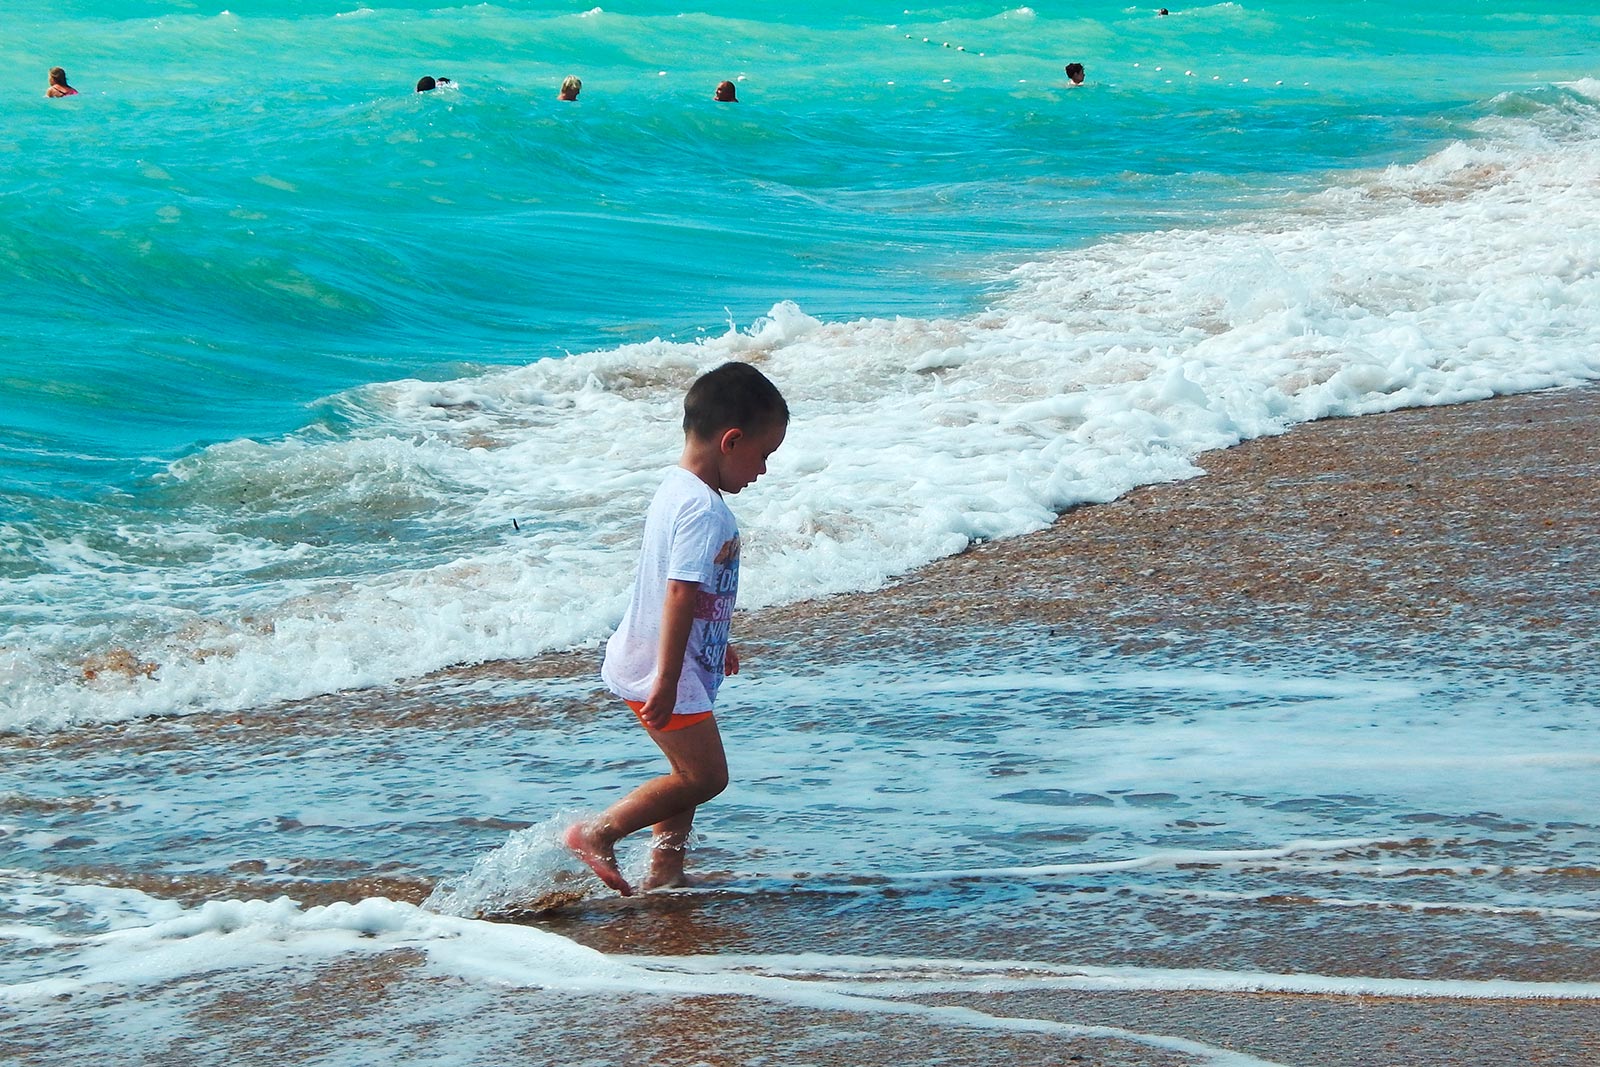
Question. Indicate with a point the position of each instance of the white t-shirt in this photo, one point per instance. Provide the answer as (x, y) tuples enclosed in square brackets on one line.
[(691, 536)]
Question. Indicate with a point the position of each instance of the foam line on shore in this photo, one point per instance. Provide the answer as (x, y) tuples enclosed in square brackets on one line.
[(232, 936), (238, 935), (1201, 681), (1154, 860), (1455, 906), (911, 976)]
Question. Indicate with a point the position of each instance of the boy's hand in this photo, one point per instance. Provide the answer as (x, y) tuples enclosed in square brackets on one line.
[(677, 619), (657, 710), (730, 662)]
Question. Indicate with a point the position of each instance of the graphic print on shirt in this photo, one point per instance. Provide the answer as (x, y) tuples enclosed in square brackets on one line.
[(713, 610)]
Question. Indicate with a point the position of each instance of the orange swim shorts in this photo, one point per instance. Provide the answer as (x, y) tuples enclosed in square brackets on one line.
[(679, 722)]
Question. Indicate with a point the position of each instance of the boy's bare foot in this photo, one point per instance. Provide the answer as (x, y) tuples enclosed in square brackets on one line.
[(666, 866), (597, 853), (677, 880)]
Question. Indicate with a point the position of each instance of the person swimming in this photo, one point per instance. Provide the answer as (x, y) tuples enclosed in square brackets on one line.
[(571, 86), (426, 84), (725, 93), (58, 84), (1075, 73)]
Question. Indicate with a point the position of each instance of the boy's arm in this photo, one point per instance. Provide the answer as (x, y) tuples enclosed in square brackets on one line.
[(677, 619)]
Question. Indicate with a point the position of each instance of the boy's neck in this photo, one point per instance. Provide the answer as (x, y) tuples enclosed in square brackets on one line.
[(700, 458)]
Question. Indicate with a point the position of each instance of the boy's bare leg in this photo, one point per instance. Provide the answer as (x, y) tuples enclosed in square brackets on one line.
[(699, 772), (668, 850)]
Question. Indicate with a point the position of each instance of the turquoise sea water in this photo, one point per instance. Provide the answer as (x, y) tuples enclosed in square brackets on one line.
[(247, 211), (227, 266)]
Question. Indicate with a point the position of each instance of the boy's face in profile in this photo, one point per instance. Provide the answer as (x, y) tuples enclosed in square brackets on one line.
[(744, 455)]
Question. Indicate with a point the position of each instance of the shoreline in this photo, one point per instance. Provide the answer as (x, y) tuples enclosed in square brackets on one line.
[(1469, 533), (1462, 532)]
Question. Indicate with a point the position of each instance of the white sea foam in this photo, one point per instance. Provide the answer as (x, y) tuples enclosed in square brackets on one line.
[(911, 976), (1169, 860), (1472, 273), (233, 942), (1390, 904), (227, 940)]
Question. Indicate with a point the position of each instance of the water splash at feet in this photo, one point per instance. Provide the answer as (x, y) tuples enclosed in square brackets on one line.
[(534, 871)]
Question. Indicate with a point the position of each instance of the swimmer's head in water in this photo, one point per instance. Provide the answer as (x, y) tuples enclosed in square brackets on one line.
[(570, 86), (426, 84), (58, 76), (725, 93), (1075, 73)]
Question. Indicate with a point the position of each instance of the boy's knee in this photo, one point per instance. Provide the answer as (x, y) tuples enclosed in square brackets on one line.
[(710, 783)]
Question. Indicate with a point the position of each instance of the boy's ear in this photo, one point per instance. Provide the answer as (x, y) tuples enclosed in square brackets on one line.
[(729, 438)]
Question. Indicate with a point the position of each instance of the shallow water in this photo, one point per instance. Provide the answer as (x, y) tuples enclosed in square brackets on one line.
[(1039, 819)]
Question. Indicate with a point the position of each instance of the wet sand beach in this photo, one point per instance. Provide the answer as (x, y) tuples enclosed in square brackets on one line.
[(1458, 535), (1440, 528)]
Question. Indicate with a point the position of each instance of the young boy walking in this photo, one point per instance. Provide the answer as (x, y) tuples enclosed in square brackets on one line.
[(671, 652)]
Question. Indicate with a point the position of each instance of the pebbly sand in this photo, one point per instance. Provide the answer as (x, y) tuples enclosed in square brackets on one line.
[(1434, 528), (1467, 533)]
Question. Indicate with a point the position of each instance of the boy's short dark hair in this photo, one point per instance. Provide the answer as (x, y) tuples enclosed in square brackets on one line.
[(733, 395)]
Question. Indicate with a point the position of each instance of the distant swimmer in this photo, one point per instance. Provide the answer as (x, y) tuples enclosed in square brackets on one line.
[(1075, 73), (426, 84), (570, 87), (725, 93), (58, 84), (1163, 11)]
